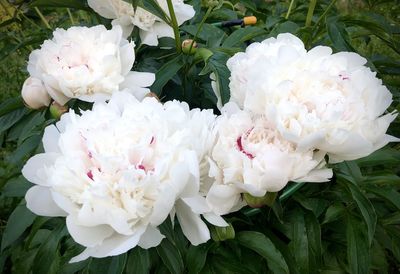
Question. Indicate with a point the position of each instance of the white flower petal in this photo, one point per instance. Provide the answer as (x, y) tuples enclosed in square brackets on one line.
[(192, 226), (150, 238), (39, 201), (88, 236)]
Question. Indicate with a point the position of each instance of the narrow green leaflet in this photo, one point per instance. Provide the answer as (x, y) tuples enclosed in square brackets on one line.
[(166, 72), (138, 261), (9, 119), (299, 242), (16, 187), (76, 4), (170, 256), (216, 63), (366, 208), (20, 219), (338, 35), (263, 246), (196, 258), (357, 247), (47, 258), (242, 35)]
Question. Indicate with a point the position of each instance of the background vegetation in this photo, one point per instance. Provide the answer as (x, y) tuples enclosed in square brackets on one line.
[(350, 225)]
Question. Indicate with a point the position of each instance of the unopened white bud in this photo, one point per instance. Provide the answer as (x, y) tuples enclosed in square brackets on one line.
[(34, 93)]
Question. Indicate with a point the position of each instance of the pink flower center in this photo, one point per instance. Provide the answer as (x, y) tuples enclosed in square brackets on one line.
[(241, 149)]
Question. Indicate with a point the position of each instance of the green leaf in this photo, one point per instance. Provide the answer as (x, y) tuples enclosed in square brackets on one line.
[(242, 35), (262, 245), (170, 256), (366, 208), (357, 247), (208, 33), (196, 257), (10, 105), (47, 258), (388, 194), (75, 4), (16, 187), (20, 219), (299, 241), (138, 261), (9, 119), (25, 149), (217, 64), (338, 35), (333, 213), (314, 240), (166, 72)]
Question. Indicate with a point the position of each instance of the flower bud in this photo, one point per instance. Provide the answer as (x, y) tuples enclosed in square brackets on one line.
[(203, 54), (34, 93), (188, 48), (57, 110), (257, 202), (219, 234)]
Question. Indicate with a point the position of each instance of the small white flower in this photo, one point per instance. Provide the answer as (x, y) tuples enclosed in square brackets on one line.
[(250, 156), (118, 171), (151, 27), (34, 93), (89, 64), (316, 99)]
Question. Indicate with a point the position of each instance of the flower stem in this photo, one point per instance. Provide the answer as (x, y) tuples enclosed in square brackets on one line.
[(174, 23), (70, 16), (289, 10), (325, 12), (42, 18), (310, 12), (200, 26), (290, 191)]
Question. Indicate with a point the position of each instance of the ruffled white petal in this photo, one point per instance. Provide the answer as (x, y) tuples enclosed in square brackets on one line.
[(39, 201)]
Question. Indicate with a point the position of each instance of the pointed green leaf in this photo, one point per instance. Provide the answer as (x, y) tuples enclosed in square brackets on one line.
[(262, 245)]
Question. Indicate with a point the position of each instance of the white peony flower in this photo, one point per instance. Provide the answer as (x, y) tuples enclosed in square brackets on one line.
[(151, 27), (316, 99), (34, 93), (118, 171), (250, 156), (89, 64)]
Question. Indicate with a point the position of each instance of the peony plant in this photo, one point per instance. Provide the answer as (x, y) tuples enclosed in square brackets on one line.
[(233, 149)]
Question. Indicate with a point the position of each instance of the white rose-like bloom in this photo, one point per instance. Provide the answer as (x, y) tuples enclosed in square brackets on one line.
[(118, 171), (89, 64), (316, 99), (34, 93), (151, 27), (250, 156)]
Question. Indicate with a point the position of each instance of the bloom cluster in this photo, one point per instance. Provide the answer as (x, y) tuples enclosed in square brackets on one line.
[(85, 63), (119, 170), (150, 26)]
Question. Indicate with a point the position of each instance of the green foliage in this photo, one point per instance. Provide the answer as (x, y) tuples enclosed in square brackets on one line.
[(349, 225)]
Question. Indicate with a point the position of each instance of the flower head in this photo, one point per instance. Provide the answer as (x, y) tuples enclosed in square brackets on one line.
[(34, 93), (87, 63), (118, 171), (151, 27), (316, 99), (251, 156)]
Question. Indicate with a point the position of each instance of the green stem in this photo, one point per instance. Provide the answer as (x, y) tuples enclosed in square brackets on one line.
[(290, 191), (325, 12), (310, 12), (289, 10), (70, 16), (174, 23), (42, 18), (200, 27)]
